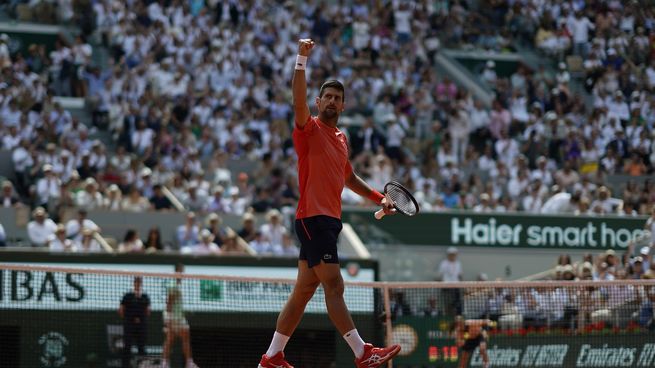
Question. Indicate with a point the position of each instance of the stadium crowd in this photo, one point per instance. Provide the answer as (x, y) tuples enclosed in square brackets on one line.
[(190, 86)]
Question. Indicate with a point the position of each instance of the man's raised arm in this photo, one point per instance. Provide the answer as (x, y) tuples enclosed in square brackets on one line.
[(299, 83)]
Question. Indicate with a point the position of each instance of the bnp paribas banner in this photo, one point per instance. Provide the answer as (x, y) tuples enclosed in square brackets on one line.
[(501, 230)]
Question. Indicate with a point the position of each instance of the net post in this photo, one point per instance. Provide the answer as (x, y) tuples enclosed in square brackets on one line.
[(387, 313)]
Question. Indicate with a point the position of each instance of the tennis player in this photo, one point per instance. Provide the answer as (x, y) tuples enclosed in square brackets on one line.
[(323, 171), (175, 324), (470, 334)]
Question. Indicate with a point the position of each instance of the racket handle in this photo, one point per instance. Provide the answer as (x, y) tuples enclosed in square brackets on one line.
[(379, 214)]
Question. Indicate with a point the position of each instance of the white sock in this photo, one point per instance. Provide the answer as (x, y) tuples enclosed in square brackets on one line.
[(277, 344), (355, 342)]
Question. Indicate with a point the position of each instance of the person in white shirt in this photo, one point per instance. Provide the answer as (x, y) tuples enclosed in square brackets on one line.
[(273, 231), (39, 229), (450, 270), (187, 234), (260, 244), (3, 236), (58, 242), (506, 148), (542, 172), (561, 203), (607, 203), (486, 162), (48, 187), (75, 227), (288, 247), (131, 243), (484, 205), (142, 138), (235, 203), (650, 226), (533, 202), (206, 246), (11, 140), (88, 244), (459, 127), (489, 73), (22, 161), (580, 27), (89, 198), (395, 136), (618, 107)]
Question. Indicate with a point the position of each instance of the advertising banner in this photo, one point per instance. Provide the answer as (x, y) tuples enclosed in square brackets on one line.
[(427, 341), (504, 230), (81, 291)]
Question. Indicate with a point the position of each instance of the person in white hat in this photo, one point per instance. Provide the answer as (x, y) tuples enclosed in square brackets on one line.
[(489, 73), (273, 230), (450, 270), (205, 246), (644, 253), (650, 226), (58, 242), (40, 228), (48, 187)]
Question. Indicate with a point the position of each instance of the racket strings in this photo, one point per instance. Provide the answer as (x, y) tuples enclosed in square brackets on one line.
[(401, 200)]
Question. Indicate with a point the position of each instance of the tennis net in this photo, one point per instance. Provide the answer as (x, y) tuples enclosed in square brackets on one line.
[(72, 317)]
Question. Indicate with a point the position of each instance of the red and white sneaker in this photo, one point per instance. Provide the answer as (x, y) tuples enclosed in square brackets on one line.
[(374, 357), (276, 361)]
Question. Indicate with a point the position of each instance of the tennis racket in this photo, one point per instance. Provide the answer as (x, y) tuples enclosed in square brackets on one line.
[(403, 200)]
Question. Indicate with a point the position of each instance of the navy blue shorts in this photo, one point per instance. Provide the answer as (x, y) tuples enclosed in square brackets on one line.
[(471, 344), (318, 239)]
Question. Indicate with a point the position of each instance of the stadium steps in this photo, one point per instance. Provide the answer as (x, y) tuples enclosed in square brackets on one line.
[(446, 64), (76, 106), (576, 85)]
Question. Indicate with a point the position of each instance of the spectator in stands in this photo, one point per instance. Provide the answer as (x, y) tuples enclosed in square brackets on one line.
[(237, 204), (273, 230), (88, 243), (187, 233), (605, 202), (644, 253), (217, 203), (231, 245), (450, 270), (113, 200), (3, 236), (205, 246), (74, 227), (131, 243), (214, 226), (40, 228), (192, 201), (484, 205), (135, 311), (153, 241), (288, 248), (248, 229), (47, 188), (398, 305), (135, 202), (561, 203), (8, 198), (431, 309), (650, 226), (89, 198), (158, 201), (260, 244), (58, 242)]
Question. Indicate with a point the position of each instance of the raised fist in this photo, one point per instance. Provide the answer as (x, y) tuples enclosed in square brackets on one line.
[(305, 46)]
